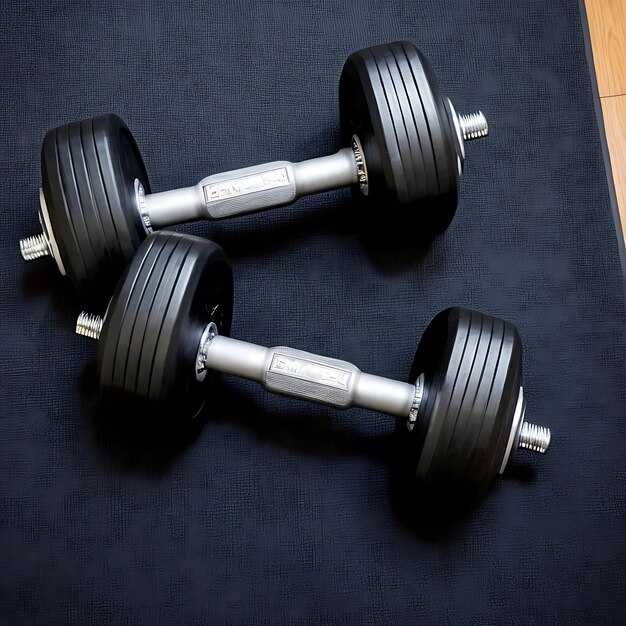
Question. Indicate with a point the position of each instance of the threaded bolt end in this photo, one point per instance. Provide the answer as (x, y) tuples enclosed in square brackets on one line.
[(89, 325), (535, 438), (474, 126), (34, 247)]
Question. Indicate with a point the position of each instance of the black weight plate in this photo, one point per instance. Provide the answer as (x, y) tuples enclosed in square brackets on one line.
[(442, 139), (411, 151), (157, 333), (450, 407), (417, 111), (402, 140), (434, 351), (354, 118), (500, 411), (182, 279), (452, 338), (74, 206), (100, 201), (480, 419), (125, 357), (91, 215), (364, 112), (471, 416), (437, 210), (116, 312), (472, 368), (425, 102), (391, 140), (161, 379), (53, 184), (471, 408), (444, 118), (154, 317), (204, 283), (89, 194), (159, 370), (150, 318), (173, 357), (423, 184), (120, 164), (436, 118)]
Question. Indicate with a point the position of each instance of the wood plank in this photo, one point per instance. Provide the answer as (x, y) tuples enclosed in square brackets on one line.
[(607, 26), (614, 111)]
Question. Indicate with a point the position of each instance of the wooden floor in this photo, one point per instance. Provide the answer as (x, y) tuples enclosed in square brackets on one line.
[(607, 25)]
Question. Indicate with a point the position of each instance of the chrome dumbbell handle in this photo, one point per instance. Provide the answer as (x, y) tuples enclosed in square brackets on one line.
[(306, 376), (299, 374), (275, 184), (250, 189)]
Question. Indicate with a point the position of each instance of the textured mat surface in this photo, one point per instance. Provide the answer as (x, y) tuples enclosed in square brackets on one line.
[(272, 511)]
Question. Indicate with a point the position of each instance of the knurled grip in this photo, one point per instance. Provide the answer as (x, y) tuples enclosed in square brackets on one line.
[(307, 376), (310, 377), (249, 189)]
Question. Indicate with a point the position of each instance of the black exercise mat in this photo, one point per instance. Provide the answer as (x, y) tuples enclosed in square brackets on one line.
[(271, 510)]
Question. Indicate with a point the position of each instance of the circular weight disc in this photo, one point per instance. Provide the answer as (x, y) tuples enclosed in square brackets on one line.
[(460, 367), (405, 183), (441, 133), (93, 222), (500, 411), (115, 316), (88, 178), (101, 207), (151, 307), (175, 285), (458, 446), (472, 368), (434, 350), (73, 201), (364, 111), (121, 164), (389, 97), (408, 142), (59, 211), (130, 339), (419, 119), (422, 177)]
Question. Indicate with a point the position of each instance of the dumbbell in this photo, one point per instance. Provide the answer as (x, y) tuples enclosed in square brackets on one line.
[(405, 149), (165, 336)]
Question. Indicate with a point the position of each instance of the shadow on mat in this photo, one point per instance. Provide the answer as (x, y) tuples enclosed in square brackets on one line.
[(43, 279), (135, 441), (325, 436), (436, 511), (390, 247)]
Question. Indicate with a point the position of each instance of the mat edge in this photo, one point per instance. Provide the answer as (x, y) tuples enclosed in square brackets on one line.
[(617, 222)]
